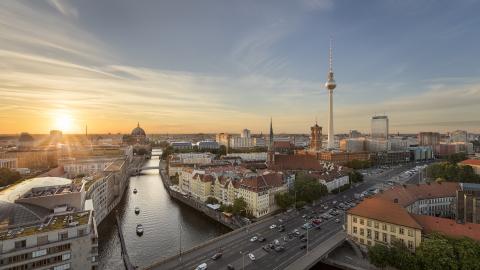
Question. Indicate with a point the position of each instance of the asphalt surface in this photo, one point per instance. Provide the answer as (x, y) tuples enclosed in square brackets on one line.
[(236, 246)]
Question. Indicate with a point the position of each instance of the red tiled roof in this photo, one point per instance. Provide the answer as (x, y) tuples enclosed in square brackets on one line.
[(296, 162), (386, 211), (471, 162), (448, 227), (408, 194), (262, 182)]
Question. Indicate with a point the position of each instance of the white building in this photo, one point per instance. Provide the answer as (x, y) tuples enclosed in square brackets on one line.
[(258, 156), (86, 166), (207, 145), (10, 163)]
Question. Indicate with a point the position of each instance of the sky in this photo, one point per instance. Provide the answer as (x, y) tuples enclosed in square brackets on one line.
[(221, 66)]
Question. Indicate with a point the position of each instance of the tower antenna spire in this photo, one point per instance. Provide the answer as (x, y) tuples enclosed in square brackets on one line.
[(330, 58)]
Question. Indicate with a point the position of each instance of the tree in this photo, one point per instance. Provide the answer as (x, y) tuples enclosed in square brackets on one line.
[(455, 158), (167, 152), (467, 251), (355, 177), (378, 255), (175, 179), (211, 200), (308, 188), (284, 200), (8, 177), (436, 252), (358, 164), (239, 206)]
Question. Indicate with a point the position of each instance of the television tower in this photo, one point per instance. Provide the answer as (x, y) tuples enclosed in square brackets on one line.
[(330, 85)]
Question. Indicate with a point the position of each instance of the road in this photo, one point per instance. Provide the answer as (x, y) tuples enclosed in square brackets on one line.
[(236, 245)]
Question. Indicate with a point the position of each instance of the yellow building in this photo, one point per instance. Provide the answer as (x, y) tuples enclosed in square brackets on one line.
[(379, 221)]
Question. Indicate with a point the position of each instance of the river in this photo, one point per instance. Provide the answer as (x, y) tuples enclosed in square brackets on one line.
[(163, 219)]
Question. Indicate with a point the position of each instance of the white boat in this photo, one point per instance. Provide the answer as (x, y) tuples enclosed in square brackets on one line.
[(139, 229), (137, 210)]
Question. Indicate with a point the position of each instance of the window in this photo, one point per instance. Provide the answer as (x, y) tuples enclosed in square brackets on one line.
[(393, 229), (384, 236), (82, 232), (354, 220), (369, 223), (401, 230), (376, 235), (354, 230), (410, 244), (66, 256), (63, 235), (362, 231), (384, 227), (361, 221), (62, 267), (42, 240), (369, 233), (376, 225), (362, 241), (39, 253), (369, 242), (410, 233), (21, 244)]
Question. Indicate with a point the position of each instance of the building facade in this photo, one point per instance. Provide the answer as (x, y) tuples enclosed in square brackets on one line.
[(316, 138), (380, 127)]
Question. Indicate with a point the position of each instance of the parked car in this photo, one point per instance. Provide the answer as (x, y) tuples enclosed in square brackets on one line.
[(253, 239), (202, 266), (217, 256), (251, 256), (279, 248), (273, 226), (230, 267), (261, 239), (303, 247)]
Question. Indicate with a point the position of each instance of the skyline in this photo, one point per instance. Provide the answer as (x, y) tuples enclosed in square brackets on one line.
[(112, 64)]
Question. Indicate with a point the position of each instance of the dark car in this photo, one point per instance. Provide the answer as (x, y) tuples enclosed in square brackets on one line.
[(261, 239), (266, 248), (281, 229), (271, 245), (303, 239), (303, 247), (230, 267), (217, 256)]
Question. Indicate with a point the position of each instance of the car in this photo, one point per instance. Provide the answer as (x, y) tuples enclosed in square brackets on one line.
[(273, 226), (279, 248), (253, 239), (251, 256), (261, 239), (281, 229), (317, 221), (337, 220), (307, 226), (276, 242), (202, 266), (304, 216), (304, 239), (266, 248), (326, 207), (271, 245), (334, 202), (230, 267), (280, 220), (303, 247), (217, 256)]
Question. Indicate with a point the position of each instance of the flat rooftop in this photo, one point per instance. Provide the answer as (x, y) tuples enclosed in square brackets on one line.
[(51, 191), (51, 223), (14, 192)]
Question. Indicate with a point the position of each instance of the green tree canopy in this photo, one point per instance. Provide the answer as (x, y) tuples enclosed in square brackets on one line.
[(308, 188), (284, 200), (239, 206), (8, 177)]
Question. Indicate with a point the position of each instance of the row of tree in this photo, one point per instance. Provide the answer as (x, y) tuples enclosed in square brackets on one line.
[(435, 252), (305, 190), (8, 177), (452, 172), (358, 164)]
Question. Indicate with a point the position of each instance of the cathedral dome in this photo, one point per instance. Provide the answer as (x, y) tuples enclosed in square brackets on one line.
[(138, 131)]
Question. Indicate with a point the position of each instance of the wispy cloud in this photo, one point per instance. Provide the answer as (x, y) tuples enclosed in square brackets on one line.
[(63, 7)]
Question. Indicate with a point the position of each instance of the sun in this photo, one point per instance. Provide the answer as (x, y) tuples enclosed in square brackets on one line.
[(64, 122)]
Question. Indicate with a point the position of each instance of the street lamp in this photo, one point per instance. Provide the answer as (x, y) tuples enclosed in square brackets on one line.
[(243, 259)]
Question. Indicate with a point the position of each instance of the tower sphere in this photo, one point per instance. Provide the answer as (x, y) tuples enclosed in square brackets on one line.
[(330, 84)]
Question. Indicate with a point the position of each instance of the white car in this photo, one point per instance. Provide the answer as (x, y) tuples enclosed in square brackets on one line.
[(202, 266), (251, 256), (273, 226), (253, 239)]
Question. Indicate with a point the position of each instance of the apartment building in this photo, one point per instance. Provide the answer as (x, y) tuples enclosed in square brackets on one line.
[(58, 242)]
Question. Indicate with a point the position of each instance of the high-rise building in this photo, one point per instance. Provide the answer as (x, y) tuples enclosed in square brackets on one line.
[(428, 138), (246, 133), (316, 138), (330, 85), (459, 136), (355, 134), (380, 127)]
